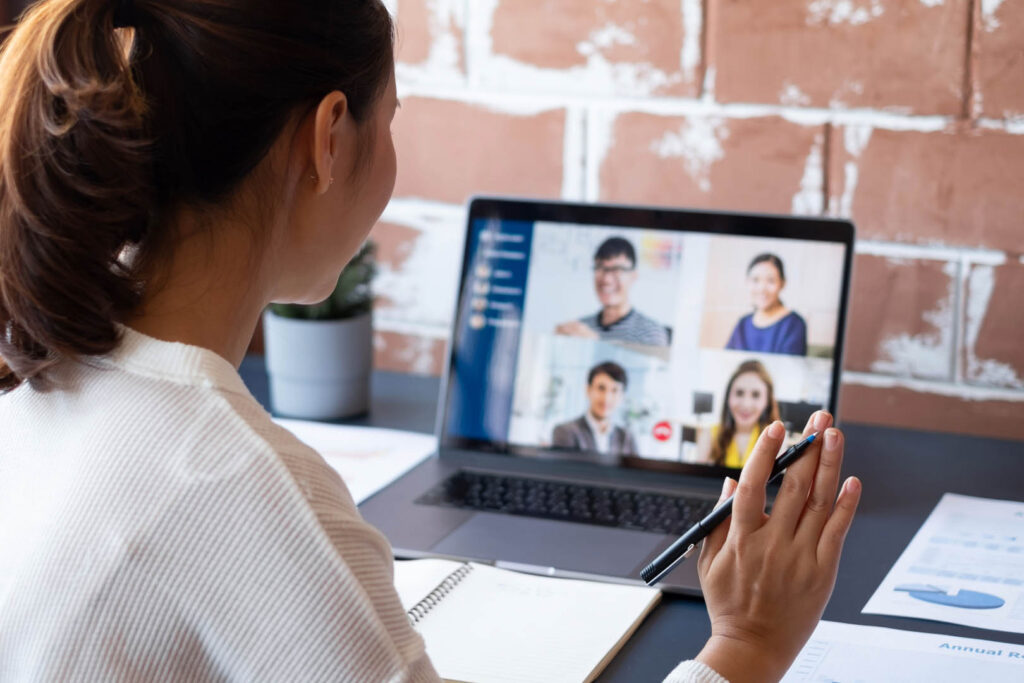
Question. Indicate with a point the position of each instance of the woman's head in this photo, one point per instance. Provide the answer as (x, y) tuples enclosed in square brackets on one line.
[(765, 278), (749, 402), (119, 117)]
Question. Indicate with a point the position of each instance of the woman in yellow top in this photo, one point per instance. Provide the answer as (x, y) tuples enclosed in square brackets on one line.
[(748, 408)]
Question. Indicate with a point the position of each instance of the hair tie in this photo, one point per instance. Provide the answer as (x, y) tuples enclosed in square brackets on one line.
[(124, 15)]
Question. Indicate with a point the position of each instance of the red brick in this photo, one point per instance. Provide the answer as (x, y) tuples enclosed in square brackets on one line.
[(408, 353), (755, 164), (994, 321), (953, 187), (569, 33), (882, 54), (420, 28), (1000, 60), (901, 407), (901, 318), (450, 150)]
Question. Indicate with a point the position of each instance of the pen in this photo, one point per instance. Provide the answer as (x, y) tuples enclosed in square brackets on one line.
[(684, 545)]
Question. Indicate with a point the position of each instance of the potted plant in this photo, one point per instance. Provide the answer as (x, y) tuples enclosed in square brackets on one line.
[(319, 357)]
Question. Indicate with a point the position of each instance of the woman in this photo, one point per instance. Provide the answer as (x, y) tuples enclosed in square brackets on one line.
[(167, 169), (748, 408), (772, 327)]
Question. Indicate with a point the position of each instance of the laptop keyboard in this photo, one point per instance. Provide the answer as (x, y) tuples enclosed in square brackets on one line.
[(600, 505)]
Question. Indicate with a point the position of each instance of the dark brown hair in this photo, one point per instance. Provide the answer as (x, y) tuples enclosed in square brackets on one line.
[(768, 258), (727, 424), (105, 132), (613, 370)]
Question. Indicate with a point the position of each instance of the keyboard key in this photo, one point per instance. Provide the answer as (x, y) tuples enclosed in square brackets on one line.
[(601, 505)]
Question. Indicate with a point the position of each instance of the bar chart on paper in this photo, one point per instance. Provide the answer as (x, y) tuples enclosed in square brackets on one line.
[(964, 566), (845, 653)]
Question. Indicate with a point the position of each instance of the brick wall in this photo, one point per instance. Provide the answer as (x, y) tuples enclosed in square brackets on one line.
[(906, 115)]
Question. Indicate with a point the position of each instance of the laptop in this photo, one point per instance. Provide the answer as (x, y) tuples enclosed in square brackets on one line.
[(608, 366)]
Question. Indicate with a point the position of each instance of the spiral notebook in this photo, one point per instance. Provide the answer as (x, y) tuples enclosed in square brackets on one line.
[(487, 625)]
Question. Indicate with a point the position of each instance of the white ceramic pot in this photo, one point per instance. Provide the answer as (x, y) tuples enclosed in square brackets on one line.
[(319, 369)]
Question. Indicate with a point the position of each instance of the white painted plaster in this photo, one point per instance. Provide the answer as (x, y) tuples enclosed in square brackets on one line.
[(808, 199), (1013, 123), (929, 252), (423, 289), (989, 20), (573, 154), (855, 141), (693, 23), (962, 391), (928, 355), (707, 88), (698, 142), (932, 3), (980, 284), (792, 96), (603, 38), (834, 12), (526, 102)]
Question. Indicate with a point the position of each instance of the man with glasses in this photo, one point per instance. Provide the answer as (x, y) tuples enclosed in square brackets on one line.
[(614, 276)]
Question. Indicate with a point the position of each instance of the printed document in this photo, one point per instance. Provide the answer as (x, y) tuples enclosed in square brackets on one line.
[(845, 652), (366, 458), (964, 566)]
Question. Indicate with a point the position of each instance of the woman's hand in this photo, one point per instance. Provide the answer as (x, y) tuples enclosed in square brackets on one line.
[(766, 578)]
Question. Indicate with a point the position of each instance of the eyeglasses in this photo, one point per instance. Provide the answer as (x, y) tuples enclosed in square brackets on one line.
[(613, 270)]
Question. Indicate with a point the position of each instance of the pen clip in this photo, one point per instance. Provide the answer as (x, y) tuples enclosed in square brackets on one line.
[(689, 551)]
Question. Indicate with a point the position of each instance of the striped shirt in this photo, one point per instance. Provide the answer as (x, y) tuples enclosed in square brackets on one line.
[(155, 524), (633, 328)]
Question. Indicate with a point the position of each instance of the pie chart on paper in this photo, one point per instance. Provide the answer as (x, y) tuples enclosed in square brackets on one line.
[(963, 599)]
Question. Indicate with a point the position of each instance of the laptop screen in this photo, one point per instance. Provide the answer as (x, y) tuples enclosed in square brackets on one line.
[(642, 337)]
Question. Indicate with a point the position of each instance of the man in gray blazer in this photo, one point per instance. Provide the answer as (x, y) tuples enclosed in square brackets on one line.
[(593, 431)]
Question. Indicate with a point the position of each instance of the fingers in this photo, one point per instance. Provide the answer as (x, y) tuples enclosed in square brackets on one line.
[(823, 491), (716, 539), (748, 507), (834, 534), (789, 503)]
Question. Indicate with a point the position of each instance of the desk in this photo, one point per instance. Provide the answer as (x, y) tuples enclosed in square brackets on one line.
[(904, 474)]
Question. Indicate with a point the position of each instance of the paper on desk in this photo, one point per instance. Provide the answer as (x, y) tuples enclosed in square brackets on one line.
[(845, 652), (964, 566), (367, 458)]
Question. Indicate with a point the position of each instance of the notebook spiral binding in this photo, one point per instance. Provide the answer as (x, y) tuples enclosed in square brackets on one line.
[(423, 607)]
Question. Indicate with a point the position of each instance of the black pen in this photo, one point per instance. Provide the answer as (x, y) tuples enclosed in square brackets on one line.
[(681, 549)]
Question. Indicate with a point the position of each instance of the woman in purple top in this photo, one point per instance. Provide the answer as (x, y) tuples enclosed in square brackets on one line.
[(772, 327)]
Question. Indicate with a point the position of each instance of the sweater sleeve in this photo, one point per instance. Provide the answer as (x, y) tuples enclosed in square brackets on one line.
[(692, 671), (366, 555)]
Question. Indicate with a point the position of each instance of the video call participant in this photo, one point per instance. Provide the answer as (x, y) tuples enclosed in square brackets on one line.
[(593, 431), (614, 277), (748, 407), (772, 327)]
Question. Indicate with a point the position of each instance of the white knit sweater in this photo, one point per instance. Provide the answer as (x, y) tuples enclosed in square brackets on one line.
[(155, 524)]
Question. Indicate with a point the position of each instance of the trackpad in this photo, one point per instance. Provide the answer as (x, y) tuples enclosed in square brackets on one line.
[(548, 543)]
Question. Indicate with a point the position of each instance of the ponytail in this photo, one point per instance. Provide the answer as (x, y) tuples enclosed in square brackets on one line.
[(105, 132), (75, 186)]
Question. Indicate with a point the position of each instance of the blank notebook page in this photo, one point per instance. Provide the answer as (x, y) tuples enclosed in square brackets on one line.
[(502, 626)]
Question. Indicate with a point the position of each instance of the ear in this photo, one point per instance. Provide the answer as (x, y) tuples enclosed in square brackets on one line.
[(328, 137)]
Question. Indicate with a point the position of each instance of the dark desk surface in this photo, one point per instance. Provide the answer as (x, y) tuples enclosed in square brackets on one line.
[(904, 474)]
